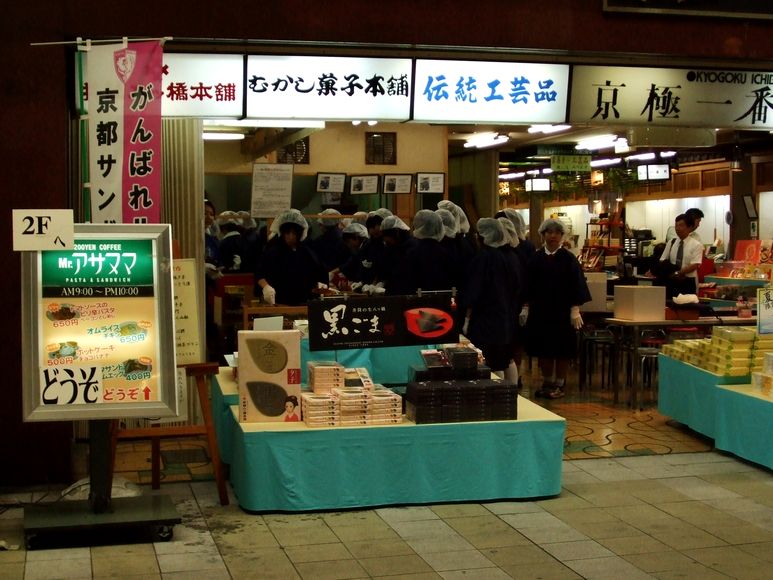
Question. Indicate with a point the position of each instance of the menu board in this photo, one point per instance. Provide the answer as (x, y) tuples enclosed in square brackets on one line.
[(186, 312), (99, 341), (272, 188)]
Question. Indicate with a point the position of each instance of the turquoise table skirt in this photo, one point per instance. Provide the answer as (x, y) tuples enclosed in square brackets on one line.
[(689, 394), (290, 467), (745, 423), (224, 394)]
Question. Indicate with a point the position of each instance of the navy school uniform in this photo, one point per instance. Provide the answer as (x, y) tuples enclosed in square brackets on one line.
[(427, 265), (330, 248), (292, 273)]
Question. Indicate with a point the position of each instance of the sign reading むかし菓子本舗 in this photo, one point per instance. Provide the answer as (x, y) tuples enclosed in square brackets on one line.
[(101, 334)]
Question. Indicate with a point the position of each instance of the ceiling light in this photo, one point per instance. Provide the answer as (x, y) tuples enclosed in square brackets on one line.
[(547, 171), (641, 157), (222, 136), (255, 123), (509, 176), (548, 129), (355, 123), (735, 166), (598, 142), (667, 154), (621, 146), (605, 162), (372, 123), (533, 172), (619, 198), (482, 140)]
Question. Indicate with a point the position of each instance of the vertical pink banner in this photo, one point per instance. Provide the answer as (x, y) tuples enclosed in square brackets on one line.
[(139, 67)]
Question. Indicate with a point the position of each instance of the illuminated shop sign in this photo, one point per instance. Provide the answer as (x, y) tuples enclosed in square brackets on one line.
[(328, 88), (672, 97), (203, 85), (450, 91)]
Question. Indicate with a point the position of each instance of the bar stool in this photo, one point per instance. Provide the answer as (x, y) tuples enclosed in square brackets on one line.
[(598, 350), (646, 356)]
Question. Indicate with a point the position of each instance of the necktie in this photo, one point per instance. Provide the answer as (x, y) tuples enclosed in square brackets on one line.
[(680, 254)]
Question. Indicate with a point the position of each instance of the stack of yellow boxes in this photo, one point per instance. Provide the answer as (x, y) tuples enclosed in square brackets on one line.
[(731, 351)]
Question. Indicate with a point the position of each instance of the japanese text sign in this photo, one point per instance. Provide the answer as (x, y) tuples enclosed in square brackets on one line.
[(451, 91), (330, 88), (100, 341), (672, 97), (123, 85), (371, 322)]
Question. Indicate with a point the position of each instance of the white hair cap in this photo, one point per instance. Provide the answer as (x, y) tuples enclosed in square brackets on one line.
[(428, 225), (360, 217), (510, 231), (382, 212), (290, 216), (229, 217), (464, 223), (329, 221), (356, 229), (248, 222), (552, 224), (450, 224), (392, 222), (493, 232)]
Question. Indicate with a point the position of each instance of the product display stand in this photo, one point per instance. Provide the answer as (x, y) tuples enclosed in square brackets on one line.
[(100, 519)]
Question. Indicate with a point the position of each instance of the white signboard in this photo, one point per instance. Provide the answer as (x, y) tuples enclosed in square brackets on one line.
[(272, 188), (328, 88), (42, 229), (672, 97), (187, 322), (203, 85), (451, 91)]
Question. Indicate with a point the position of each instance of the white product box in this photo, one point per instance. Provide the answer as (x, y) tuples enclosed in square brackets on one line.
[(269, 376), (640, 302)]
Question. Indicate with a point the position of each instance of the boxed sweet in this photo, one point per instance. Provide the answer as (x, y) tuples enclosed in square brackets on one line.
[(734, 333), (269, 375), (324, 375), (763, 382), (767, 364), (461, 357), (640, 302), (358, 377)]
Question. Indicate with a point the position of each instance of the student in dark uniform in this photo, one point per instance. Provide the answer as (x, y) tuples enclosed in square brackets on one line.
[(232, 244), (289, 270), (398, 241), (491, 284), (372, 253), (355, 236), (428, 265), (328, 245), (525, 247), (556, 288), (510, 251)]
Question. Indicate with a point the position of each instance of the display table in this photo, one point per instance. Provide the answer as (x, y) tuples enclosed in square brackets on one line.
[(689, 394), (224, 394), (290, 467), (744, 423)]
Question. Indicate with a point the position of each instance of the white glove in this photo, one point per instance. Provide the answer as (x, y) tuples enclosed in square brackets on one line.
[(356, 286), (466, 325), (379, 288), (523, 316), (237, 262), (367, 264), (269, 294), (367, 289), (574, 316), (331, 275)]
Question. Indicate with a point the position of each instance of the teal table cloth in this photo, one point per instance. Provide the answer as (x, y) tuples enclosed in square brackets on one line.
[(688, 394), (291, 467), (745, 423), (224, 394)]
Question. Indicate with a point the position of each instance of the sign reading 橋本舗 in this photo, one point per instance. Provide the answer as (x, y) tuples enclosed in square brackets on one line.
[(372, 322), (101, 340)]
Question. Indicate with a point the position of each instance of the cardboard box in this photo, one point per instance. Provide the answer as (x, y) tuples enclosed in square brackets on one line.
[(640, 302), (269, 375), (597, 285)]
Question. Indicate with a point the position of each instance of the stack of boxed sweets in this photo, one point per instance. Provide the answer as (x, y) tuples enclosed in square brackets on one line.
[(763, 378), (357, 401), (454, 387), (325, 375), (731, 351)]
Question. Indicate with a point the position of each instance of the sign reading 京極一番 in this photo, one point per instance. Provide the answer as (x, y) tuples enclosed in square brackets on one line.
[(671, 97), (100, 341), (371, 322)]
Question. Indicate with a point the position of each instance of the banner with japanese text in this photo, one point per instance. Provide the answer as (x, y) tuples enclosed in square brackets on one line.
[(124, 90), (372, 322)]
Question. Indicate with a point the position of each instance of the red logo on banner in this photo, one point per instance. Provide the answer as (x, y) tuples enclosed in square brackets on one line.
[(124, 62), (293, 376), (428, 322)]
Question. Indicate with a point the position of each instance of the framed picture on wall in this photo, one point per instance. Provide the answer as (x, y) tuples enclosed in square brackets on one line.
[(331, 182), (430, 182), (363, 184), (398, 183)]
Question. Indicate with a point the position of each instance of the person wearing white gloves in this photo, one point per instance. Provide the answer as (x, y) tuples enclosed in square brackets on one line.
[(556, 288), (488, 298), (289, 270)]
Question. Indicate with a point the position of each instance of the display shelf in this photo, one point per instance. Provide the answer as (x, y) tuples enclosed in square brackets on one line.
[(723, 280)]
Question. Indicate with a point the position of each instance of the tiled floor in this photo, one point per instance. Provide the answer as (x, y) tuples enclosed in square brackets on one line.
[(689, 515), (649, 499)]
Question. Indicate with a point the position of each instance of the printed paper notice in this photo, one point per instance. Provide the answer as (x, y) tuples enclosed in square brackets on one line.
[(272, 187)]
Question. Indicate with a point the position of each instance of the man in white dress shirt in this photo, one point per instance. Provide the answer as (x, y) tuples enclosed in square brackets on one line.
[(686, 255)]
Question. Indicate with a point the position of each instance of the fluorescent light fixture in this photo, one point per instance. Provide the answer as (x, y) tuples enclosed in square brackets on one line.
[(511, 176), (641, 157), (621, 146), (355, 123), (619, 198), (222, 136), (605, 162), (548, 129), (598, 142), (255, 123), (547, 171), (372, 123), (533, 172), (482, 140), (667, 154)]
